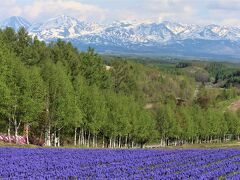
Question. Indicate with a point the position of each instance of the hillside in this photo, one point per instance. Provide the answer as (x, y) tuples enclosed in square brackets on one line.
[(54, 94)]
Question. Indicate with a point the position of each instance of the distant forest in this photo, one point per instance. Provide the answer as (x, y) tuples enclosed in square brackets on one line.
[(62, 96)]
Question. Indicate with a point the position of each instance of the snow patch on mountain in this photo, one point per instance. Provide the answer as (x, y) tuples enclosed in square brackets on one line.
[(15, 22), (135, 36), (65, 27)]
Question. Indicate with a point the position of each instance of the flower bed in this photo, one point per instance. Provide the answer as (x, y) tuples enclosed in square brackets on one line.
[(12, 139), (45, 163)]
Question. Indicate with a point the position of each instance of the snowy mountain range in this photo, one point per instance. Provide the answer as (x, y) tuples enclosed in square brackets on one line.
[(153, 38)]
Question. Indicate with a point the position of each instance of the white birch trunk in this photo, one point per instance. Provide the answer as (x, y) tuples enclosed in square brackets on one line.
[(9, 130), (88, 140), (119, 143), (85, 138), (80, 138), (161, 142), (27, 132), (110, 142), (55, 138), (93, 141), (96, 143), (58, 139), (16, 134), (16, 130), (48, 132), (126, 139), (103, 142), (75, 136), (114, 142), (48, 136)]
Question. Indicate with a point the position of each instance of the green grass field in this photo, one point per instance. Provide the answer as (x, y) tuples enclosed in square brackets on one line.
[(230, 144)]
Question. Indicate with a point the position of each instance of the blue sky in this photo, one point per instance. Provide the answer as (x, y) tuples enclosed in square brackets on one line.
[(223, 12)]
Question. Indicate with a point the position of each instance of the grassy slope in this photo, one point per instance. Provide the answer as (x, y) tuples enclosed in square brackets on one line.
[(166, 65)]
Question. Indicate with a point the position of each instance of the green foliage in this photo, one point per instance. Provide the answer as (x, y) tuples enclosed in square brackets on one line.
[(55, 88)]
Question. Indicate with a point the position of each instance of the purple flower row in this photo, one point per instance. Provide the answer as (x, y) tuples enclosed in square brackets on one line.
[(43, 163)]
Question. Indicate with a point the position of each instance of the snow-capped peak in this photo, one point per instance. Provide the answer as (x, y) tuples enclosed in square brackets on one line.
[(66, 27), (128, 34), (15, 22), (63, 27), (176, 28)]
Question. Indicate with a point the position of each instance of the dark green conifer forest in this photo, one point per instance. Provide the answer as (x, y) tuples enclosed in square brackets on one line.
[(55, 93)]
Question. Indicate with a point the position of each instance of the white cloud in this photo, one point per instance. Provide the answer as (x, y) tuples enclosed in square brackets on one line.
[(9, 8), (55, 7), (41, 9), (224, 12), (159, 10), (227, 5)]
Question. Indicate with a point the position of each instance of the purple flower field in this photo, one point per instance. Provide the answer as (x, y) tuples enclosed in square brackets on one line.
[(42, 163)]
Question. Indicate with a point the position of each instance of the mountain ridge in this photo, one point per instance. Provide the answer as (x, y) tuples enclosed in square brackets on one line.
[(165, 37)]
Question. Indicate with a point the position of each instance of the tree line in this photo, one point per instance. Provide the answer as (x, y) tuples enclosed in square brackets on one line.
[(61, 95), (53, 91)]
